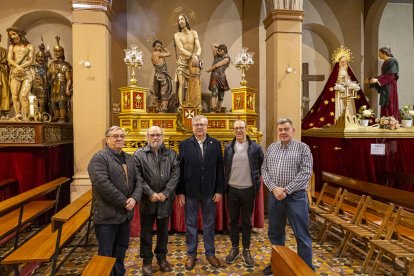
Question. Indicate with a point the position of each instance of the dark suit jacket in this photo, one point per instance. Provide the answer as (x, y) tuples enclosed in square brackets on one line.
[(200, 176)]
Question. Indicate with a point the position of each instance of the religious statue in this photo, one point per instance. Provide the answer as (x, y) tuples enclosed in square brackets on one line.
[(329, 105), (386, 83), (59, 75), (4, 83), (162, 81), (20, 57), (188, 51), (218, 81), (40, 84)]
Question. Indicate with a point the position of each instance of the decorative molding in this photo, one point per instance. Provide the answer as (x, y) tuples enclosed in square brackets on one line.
[(283, 15), (93, 5)]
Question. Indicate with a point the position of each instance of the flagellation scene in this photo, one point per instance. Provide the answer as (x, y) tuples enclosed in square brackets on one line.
[(150, 137)]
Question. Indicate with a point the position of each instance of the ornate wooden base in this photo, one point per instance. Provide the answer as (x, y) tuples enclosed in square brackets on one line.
[(25, 134)]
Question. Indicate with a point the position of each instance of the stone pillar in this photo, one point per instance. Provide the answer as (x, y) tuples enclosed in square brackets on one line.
[(283, 68), (91, 38)]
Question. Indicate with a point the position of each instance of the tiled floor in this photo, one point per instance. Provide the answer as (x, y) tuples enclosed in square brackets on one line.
[(324, 260)]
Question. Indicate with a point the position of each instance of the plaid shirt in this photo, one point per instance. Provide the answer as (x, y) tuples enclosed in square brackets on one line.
[(287, 166)]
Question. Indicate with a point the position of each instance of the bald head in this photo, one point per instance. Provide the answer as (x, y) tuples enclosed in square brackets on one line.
[(155, 137)]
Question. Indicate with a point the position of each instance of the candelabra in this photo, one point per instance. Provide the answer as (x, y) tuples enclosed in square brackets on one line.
[(348, 91), (133, 59), (243, 60)]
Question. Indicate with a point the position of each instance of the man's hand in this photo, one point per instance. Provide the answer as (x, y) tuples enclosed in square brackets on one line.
[(154, 197), (217, 197), (162, 197), (130, 203), (279, 193), (194, 60), (181, 199)]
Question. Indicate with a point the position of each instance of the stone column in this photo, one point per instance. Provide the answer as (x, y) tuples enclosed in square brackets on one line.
[(91, 38), (283, 65)]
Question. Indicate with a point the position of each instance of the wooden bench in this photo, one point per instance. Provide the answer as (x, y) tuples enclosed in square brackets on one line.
[(18, 211), (285, 262), (380, 192), (99, 265), (396, 196), (8, 184), (46, 245)]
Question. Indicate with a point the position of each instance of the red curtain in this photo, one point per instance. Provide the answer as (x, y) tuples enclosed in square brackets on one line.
[(352, 158)]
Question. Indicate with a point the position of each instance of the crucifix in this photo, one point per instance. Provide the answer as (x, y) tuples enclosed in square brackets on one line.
[(306, 78)]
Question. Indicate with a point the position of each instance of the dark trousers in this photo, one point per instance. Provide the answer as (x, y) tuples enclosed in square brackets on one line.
[(240, 201), (208, 212), (145, 249), (113, 241)]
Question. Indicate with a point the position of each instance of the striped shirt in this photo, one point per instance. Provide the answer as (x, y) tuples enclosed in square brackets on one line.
[(287, 166)]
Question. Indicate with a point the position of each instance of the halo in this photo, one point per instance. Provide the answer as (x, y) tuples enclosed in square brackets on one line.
[(342, 51), (187, 12)]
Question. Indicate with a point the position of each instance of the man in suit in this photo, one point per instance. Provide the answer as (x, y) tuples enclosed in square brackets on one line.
[(201, 185)]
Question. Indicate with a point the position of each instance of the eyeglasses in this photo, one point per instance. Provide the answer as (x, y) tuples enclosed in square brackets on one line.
[(152, 135), (118, 136), (199, 125), (239, 128)]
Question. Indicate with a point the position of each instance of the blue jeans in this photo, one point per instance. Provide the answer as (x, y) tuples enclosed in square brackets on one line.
[(113, 241), (294, 208), (208, 211)]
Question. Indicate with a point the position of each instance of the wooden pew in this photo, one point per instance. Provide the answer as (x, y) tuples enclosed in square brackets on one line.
[(396, 196), (8, 184), (99, 265), (285, 262), (46, 245), (17, 211)]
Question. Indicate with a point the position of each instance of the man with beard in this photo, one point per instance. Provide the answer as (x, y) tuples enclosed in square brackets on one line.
[(39, 88), (218, 81), (158, 170), (20, 57), (188, 50)]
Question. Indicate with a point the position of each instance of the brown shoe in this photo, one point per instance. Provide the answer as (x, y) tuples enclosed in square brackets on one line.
[(164, 266), (190, 262), (214, 262), (147, 270)]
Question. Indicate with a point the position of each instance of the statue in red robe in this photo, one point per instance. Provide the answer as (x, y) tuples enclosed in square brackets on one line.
[(329, 105), (386, 84)]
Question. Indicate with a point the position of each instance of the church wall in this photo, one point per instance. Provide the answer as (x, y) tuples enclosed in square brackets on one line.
[(397, 32), (215, 21), (326, 27)]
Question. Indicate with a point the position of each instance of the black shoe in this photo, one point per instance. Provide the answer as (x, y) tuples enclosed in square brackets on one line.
[(268, 270), (147, 270), (247, 257), (233, 255), (164, 265)]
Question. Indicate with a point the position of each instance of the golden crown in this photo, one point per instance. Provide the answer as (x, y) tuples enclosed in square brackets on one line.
[(342, 51)]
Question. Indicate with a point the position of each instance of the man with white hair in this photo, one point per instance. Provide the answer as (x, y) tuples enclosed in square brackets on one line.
[(158, 170)]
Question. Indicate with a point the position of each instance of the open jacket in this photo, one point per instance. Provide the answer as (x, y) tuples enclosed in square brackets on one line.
[(255, 155), (201, 176), (158, 174), (111, 187)]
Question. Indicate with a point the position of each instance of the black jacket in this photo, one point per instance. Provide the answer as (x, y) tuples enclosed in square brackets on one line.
[(158, 174), (255, 155), (110, 188), (201, 177)]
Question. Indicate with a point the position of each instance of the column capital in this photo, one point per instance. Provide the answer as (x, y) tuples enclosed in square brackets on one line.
[(94, 5), (286, 15)]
